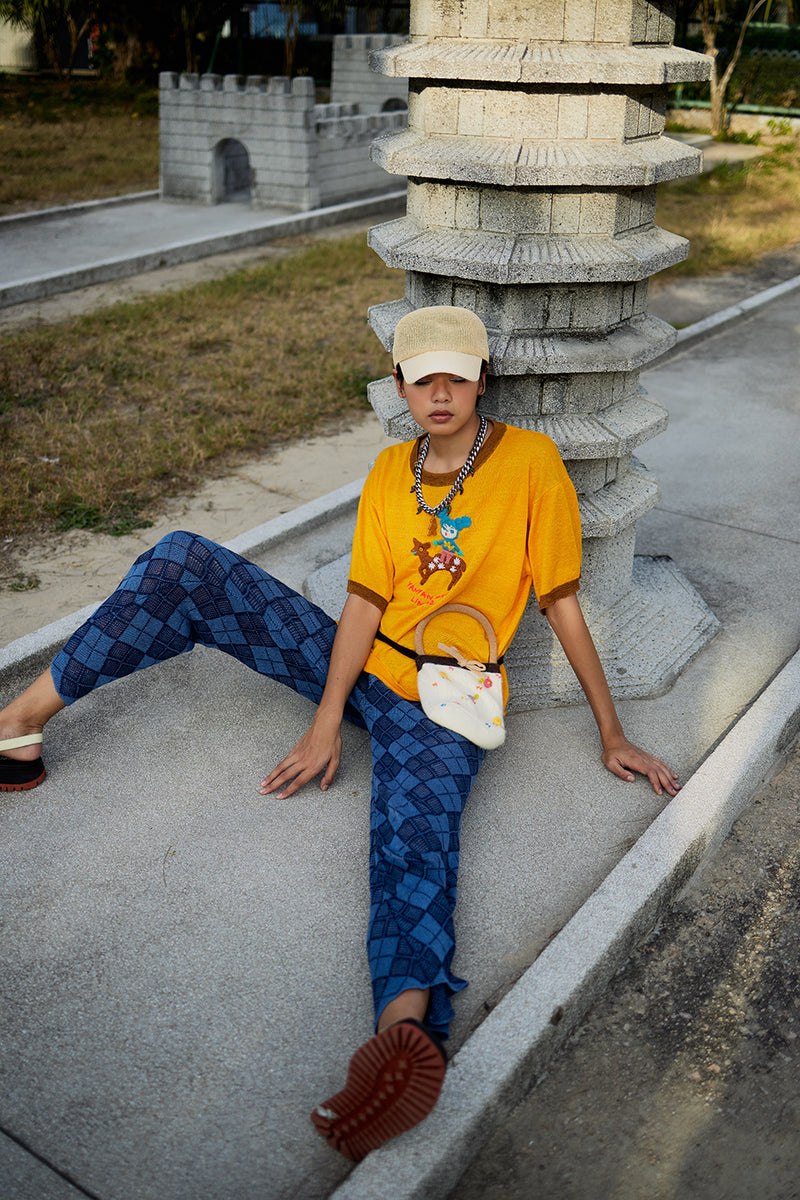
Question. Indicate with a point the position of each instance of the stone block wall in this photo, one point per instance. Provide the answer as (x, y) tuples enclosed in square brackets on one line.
[(295, 153), (353, 82), (343, 138), (601, 22)]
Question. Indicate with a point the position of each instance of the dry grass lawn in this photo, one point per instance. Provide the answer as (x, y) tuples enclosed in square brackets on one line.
[(115, 410), (59, 148), (735, 215)]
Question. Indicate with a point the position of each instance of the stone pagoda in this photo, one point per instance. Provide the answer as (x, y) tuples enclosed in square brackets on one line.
[(534, 146)]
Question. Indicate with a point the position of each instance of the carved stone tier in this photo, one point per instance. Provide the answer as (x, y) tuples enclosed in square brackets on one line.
[(615, 432), (593, 22), (538, 63), (565, 342), (534, 162), (645, 636), (534, 143), (500, 258)]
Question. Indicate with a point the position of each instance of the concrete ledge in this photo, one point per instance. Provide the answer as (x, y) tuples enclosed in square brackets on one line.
[(719, 321), (26, 657), (75, 210), (502, 1060), (298, 521), (38, 287)]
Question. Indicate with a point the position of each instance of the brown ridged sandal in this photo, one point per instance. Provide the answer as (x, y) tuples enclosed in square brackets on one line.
[(393, 1082), (16, 776)]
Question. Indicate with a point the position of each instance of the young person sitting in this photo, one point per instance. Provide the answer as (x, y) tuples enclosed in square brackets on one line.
[(473, 512)]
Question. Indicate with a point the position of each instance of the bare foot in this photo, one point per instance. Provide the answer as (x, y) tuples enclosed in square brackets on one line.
[(10, 733), (27, 716)]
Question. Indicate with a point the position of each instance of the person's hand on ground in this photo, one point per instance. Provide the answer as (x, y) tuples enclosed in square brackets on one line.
[(623, 759), (319, 749)]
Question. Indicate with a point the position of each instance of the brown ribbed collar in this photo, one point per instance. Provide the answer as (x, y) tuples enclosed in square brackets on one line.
[(484, 454)]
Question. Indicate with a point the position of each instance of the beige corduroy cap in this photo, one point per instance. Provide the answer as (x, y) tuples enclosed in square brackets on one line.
[(440, 338)]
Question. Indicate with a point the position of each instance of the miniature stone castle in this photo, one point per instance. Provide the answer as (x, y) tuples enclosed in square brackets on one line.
[(354, 82), (267, 141)]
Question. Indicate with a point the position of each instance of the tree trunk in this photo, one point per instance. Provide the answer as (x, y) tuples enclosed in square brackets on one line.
[(719, 86), (50, 46), (75, 36), (290, 41), (717, 101), (188, 25)]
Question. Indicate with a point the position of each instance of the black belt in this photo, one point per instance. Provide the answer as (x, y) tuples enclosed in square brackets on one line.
[(381, 637)]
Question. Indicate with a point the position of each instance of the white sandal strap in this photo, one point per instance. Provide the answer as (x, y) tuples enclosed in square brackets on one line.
[(30, 739)]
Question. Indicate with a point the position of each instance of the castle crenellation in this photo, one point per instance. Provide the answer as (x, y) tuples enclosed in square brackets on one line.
[(234, 136)]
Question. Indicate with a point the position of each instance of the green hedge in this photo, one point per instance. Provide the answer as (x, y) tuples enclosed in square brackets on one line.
[(772, 82)]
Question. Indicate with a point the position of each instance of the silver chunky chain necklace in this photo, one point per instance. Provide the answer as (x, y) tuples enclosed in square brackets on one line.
[(458, 486)]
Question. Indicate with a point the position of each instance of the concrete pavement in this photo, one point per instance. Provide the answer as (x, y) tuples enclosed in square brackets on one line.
[(183, 973), (62, 249)]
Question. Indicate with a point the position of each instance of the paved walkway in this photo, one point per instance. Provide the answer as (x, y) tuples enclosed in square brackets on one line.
[(60, 250), (183, 974)]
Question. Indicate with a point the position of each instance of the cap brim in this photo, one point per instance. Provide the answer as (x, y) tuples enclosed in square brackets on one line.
[(449, 362)]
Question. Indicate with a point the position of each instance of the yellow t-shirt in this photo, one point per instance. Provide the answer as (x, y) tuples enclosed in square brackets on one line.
[(515, 526)]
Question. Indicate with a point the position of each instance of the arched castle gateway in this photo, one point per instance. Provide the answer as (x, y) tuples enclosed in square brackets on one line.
[(266, 140)]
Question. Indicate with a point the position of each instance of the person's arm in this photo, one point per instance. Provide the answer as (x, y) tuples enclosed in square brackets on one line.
[(619, 755), (320, 748)]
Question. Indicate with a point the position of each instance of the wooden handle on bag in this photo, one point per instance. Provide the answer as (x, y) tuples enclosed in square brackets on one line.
[(467, 612)]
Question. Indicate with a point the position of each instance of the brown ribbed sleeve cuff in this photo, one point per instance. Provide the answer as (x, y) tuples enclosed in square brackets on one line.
[(356, 589), (566, 589)]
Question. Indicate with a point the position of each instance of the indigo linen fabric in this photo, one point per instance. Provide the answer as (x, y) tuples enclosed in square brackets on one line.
[(188, 590)]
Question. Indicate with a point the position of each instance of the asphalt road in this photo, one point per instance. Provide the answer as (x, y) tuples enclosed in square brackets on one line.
[(685, 1081)]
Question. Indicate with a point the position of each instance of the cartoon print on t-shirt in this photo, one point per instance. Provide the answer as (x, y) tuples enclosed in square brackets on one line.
[(449, 557), (450, 528)]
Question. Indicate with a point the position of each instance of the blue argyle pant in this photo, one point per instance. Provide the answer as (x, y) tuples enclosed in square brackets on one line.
[(188, 590)]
